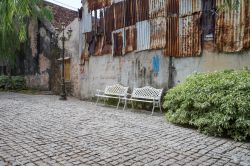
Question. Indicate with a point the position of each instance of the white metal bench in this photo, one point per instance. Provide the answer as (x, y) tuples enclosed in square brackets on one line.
[(146, 94), (116, 91)]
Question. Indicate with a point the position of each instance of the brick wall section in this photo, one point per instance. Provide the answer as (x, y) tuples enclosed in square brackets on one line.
[(62, 14)]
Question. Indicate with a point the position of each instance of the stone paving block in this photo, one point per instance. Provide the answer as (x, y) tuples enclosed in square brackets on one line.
[(43, 130)]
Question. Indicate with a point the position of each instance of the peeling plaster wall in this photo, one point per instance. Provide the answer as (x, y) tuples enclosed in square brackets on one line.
[(151, 68), (133, 70)]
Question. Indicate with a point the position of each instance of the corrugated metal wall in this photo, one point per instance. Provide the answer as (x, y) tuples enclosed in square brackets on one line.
[(157, 8), (143, 35), (232, 28), (158, 33), (183, 36), (172, 25)]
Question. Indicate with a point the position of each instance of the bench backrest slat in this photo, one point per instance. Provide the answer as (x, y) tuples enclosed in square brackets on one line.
[(117, 90), (147, 92)]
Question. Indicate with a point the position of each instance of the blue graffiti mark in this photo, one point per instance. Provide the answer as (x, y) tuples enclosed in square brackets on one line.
[(156, 65)]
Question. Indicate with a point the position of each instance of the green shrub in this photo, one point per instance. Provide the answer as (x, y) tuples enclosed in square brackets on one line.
[(216, 103), (12, 83)]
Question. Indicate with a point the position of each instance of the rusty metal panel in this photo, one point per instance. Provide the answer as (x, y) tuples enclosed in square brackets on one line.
[(143, 35), (190, 35), (98, 4), (247, 25), (172, 7), (172, 36), (119, 15), (183, 37), (230, 25), (130, 37), (188, 7), (142, 10), (157, 8), (109, 23), (130, 12), (118, 43), (158, 33)]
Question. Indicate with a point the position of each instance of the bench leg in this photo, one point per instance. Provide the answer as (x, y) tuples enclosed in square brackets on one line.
[(97, 101), (132, 104), (118, 103), (125, 104), (153, 109)]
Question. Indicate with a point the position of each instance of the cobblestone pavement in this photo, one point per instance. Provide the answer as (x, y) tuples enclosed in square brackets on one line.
[(41, 130)]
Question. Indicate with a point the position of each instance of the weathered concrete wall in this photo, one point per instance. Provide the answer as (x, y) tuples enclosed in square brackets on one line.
[(209, 62), (151, 68), (133, 70)]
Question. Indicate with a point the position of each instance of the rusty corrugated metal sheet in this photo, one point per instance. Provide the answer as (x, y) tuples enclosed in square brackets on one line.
[(117, 43), (172, 36), (143, 35), (158, 33), (172, 7), (247, 25), (109, 23), (119, 15), (130, 12), (157, 8), (190, 35), (142, 10), (230, 26), (98, 4), (188, 7), (130, 37), (183, 36)]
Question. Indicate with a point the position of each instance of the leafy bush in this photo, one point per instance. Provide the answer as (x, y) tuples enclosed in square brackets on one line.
[(12, 83), (216, 103)]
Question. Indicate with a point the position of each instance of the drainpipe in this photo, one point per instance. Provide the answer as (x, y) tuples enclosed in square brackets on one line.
[(171, 70)]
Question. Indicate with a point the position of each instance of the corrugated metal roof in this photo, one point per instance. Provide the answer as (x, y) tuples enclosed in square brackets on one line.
[(158, 33), (143, 35)]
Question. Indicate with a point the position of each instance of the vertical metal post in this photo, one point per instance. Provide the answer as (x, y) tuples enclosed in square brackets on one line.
[(63, 91)]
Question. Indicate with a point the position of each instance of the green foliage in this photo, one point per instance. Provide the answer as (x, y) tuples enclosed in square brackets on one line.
[(216, 103), (13, 16), (12, 83)]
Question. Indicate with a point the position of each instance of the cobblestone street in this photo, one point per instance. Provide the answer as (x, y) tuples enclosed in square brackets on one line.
[(42, 130)]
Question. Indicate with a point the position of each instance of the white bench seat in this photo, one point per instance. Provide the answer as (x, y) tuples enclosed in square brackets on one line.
[(146, 94), (116, 91)]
